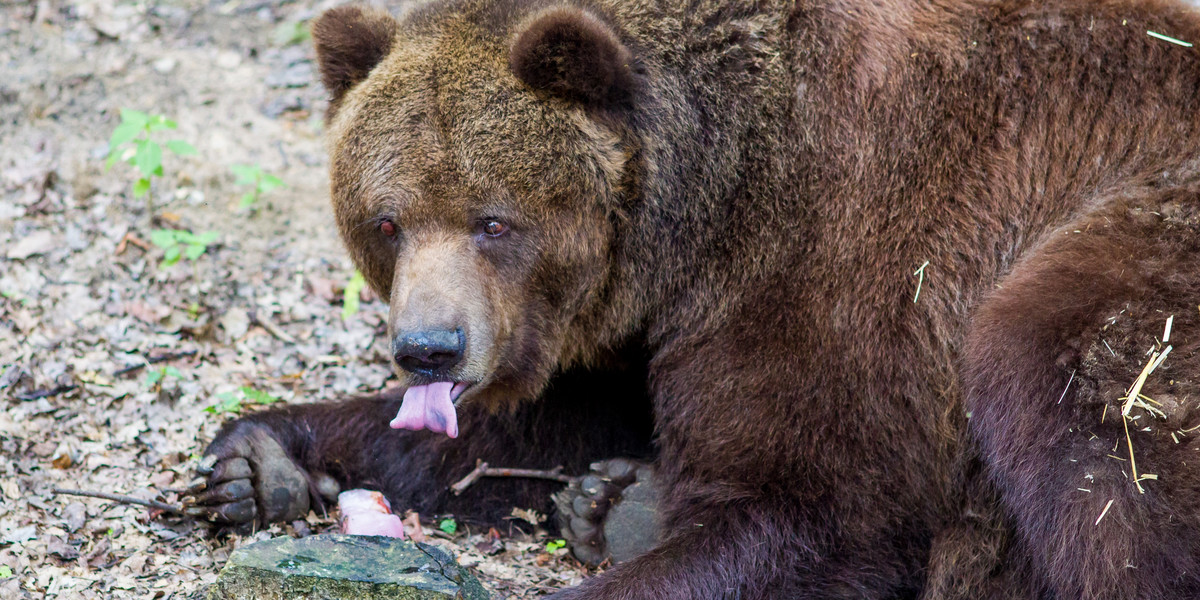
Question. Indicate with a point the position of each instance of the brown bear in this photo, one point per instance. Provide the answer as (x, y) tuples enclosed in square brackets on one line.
[(887, 279)]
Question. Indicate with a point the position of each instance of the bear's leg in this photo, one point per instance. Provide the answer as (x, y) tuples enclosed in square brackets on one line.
[(1104, 490), (746, 550), (277, 464)]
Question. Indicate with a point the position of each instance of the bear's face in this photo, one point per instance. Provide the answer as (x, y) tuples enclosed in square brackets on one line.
[(478, 204)]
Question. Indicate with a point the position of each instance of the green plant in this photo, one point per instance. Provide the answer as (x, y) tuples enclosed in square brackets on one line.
[(448, 526), (553, 545), (286, 34), (131, 143), (232, 402), (157, 376), (178, 244), (5, 572), (262, 183), (350, 295)]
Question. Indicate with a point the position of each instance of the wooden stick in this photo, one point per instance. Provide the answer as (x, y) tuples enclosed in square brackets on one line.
[(271, 328), (483, 470), (154, 361), (39, 394), (122, 499)]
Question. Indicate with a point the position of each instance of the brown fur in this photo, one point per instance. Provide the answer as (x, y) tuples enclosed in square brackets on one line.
[(750, 207), (350, 42), (569, 53)]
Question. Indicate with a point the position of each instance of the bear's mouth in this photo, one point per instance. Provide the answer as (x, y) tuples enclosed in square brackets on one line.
[(431, 406)]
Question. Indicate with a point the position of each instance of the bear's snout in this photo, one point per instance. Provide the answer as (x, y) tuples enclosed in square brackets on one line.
[(430, 352)]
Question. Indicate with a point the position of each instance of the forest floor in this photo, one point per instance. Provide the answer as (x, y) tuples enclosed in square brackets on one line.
[(116, 368)]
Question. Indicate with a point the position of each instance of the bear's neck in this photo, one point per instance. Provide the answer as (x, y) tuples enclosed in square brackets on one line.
[(860, 143)]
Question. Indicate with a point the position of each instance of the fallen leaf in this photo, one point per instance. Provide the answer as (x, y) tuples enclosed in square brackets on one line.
[(146, 312), (61, 548), (412, 527), (11, 489), (38, 242), (20, 534), (74, 516)]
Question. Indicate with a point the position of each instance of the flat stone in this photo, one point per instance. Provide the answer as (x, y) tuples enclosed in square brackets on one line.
[(343, 567)]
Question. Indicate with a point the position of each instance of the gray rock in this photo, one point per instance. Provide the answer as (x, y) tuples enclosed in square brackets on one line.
[(337, 567)]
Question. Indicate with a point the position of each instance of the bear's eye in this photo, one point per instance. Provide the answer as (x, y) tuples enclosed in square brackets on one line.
[(387, 227), (494, 228)]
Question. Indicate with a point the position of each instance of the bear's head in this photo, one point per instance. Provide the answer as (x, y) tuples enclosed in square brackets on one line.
[(478, 169)]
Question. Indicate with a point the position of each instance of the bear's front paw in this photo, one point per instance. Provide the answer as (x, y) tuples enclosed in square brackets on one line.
[(249, 477), (611, 512)]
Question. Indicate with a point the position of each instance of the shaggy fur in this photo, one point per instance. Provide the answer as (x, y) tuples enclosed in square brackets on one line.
[(569, 53), (750, 209), (352, 41)]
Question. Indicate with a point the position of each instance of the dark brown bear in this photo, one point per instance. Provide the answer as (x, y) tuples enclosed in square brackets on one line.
[(714, 210)]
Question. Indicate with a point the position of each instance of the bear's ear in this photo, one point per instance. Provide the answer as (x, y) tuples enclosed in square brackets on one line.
[(350, 41), (570, 53)]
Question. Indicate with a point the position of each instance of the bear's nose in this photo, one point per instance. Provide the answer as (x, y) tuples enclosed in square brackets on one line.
[(430, 352)]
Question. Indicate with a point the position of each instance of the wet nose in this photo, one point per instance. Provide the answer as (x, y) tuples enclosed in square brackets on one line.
[(431, 352)]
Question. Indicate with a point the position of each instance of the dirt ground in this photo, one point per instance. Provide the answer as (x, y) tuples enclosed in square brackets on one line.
[(85, 303)]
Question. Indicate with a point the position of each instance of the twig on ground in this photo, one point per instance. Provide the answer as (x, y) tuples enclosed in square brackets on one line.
[(271, 328), (483, 470), (130, 238), (46, 393), (122, 499), (154, 361)]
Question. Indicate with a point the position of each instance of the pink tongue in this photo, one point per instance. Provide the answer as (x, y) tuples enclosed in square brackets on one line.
[(428, 407)]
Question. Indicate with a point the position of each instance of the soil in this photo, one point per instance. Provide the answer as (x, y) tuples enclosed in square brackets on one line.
[(90, 316)]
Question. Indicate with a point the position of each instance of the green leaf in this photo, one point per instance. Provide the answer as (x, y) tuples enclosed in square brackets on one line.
[(159, 123), (163, 238), (269, 183), (248, 200), (290, 33), (140, 187), (173, 372), (181, 148), (171, 256), (194, 251), (206, 238), (228, 402), (136, 117), (5, 572), (257, 396), (124, 133), (350, 301), (246, 174), (153, 377), (553, 545), (149, 157), (448, 526)]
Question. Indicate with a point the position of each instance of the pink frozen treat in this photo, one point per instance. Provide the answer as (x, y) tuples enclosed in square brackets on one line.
[(365, 512)]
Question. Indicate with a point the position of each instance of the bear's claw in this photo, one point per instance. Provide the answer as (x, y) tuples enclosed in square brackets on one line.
[(610, 513), (249, 477)]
